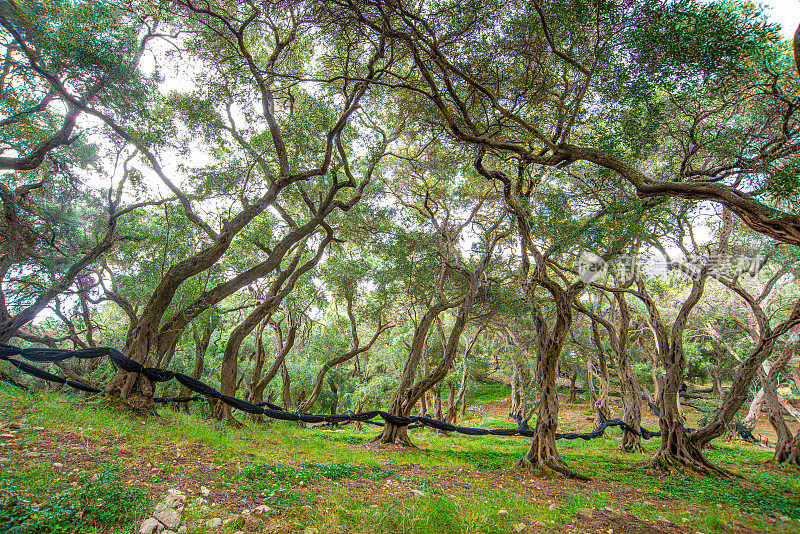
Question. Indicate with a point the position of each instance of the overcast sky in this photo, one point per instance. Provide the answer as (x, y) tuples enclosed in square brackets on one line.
[(786, 13)]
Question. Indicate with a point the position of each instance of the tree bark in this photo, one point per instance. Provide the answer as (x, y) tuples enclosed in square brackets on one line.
[(631, 395), (602, 397), (404, 400), (738, 393), (286, 390), (786, 444), (259, 384), (543, 454), (201, 343), (407, 394), (677, 451)]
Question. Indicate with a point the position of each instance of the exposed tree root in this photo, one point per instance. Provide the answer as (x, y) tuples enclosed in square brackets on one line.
[(394, 435), (549, 468), (789, 453), (233, 422), (632, 446), (689, 461)]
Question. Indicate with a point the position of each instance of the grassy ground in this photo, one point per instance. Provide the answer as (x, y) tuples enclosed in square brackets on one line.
[(94, 468)]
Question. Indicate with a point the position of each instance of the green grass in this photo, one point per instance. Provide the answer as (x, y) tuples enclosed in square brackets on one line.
[(33, 502), (489, 391), (780, 500), (305, 473)]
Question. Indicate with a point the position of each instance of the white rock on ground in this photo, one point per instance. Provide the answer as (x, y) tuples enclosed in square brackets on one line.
[(169, 517), (214, 523), (584, 514), (148, 526), (173, 502)]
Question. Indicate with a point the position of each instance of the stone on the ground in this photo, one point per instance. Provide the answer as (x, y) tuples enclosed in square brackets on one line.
[(204, 491), (214, 523), (519, 528), (263, 509), (169, 517), (31, 454), (38, 428), (160, 507), (58, 465), (584, 514), (253, 524), (148, 525), (174, 501), (502, 512), (418, 493)]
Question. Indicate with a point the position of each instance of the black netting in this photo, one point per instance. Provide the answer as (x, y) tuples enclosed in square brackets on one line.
[(273, 411)]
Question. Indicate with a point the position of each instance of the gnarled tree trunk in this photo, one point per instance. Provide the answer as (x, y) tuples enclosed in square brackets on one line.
[(258, 383), (543, 454), (601, 405)]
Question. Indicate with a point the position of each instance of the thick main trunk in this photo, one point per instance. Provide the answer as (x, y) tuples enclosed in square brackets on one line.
[(573, 389), (631, 403), (790, 452), (543, 455), (135, 389), (677, 451), (400, 407), (770, 381), (408, 395), (602, 397)]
